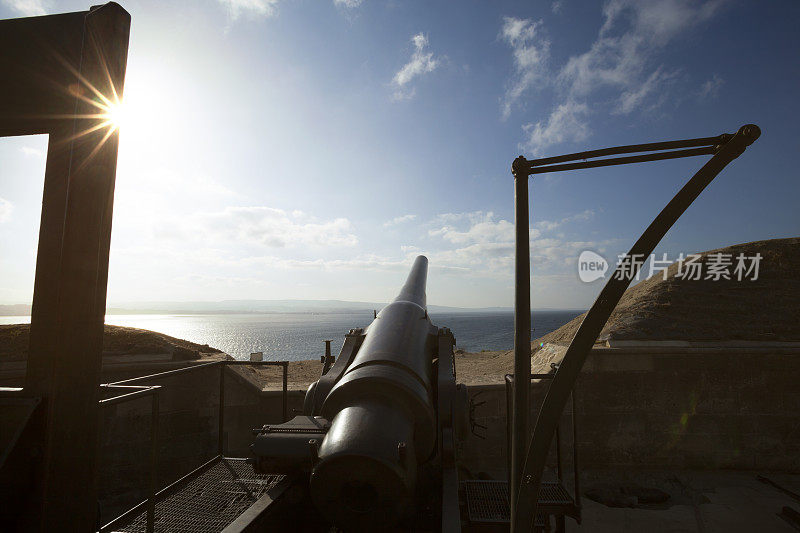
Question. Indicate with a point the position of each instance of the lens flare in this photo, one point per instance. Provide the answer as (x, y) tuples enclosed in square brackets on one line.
[(114, 115)]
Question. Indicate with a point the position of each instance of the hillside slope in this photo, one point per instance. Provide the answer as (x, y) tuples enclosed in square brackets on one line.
[(766, 309)]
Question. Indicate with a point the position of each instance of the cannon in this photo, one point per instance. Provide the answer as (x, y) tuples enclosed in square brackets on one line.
[(375, 446)]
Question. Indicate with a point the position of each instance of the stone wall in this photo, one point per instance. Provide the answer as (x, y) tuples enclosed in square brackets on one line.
[(668, 408)]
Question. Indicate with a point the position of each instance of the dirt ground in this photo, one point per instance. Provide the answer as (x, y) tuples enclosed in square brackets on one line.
[(484, 367)]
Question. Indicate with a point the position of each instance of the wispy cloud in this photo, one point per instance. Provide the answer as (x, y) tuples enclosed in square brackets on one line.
[(567, 123), (258, 226), (632, 32), (31, 152), (485, 243), (710, 89), (634, 98), (28, 8), (557, 6), (421, 62), (549, 225), (250, 8), (6, 208), (483, 227), (530, 51), (399, 220), (349, 4), (619, 64)]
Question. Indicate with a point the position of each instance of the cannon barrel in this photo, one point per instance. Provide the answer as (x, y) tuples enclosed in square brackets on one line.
[(414, 288), (382, 420)]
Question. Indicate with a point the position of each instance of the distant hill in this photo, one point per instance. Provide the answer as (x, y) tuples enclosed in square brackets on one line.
[(675, 309), (15, 310)]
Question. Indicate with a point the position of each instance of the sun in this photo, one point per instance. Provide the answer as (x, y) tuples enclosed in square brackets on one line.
[(114, 115)]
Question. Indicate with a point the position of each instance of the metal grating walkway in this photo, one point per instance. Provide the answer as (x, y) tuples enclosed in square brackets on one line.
[(209, 502), (487, 501)]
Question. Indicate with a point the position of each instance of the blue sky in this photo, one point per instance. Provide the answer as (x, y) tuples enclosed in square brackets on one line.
[(310, 149)]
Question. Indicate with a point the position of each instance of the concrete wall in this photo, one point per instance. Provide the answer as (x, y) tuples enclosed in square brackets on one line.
[(669, 408), (677, 408)]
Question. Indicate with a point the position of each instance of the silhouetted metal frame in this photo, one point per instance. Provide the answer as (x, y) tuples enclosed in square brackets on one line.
[(53, 71), (726, 148), (138, 391)]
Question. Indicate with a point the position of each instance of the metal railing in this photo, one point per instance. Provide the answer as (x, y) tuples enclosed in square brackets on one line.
[(139, 391)]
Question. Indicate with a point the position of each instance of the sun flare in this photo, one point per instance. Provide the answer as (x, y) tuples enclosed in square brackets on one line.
[(114, 115)]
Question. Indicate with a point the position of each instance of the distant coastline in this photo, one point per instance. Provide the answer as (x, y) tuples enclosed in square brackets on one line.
[(298, 336), (256, 307)]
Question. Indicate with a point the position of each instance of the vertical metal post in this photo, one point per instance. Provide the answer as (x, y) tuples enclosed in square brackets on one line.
[(509, 379), (221, 444), (522, 331), (327, 359), (559, 465), (285, 366), (575, 451), (151, 497)]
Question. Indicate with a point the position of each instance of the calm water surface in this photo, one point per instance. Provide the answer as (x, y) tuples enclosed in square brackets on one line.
[(297, 336)]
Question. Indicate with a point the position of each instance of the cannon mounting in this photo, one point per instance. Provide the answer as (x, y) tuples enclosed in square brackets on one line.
[(376, 444)]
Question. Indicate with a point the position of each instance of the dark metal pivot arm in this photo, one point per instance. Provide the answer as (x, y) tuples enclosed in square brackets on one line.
[(646, 152), (523, 506)]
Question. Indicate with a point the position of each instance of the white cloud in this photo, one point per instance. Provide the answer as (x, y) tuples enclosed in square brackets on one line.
[(258, 227), (31, 152), (483, 228), (421, 62), (567, 123), (557, 6), (632, 31), (453, 217), (360, 263), (486, 245), (619, 61), (710, 89), (548, 225), (250, 8), (399, 220), (349, 4), (6, 208), (635, 97), (530, 51), (275, 228), (28, 8)]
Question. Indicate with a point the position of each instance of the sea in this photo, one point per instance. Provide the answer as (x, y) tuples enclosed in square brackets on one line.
[(299, 336)]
